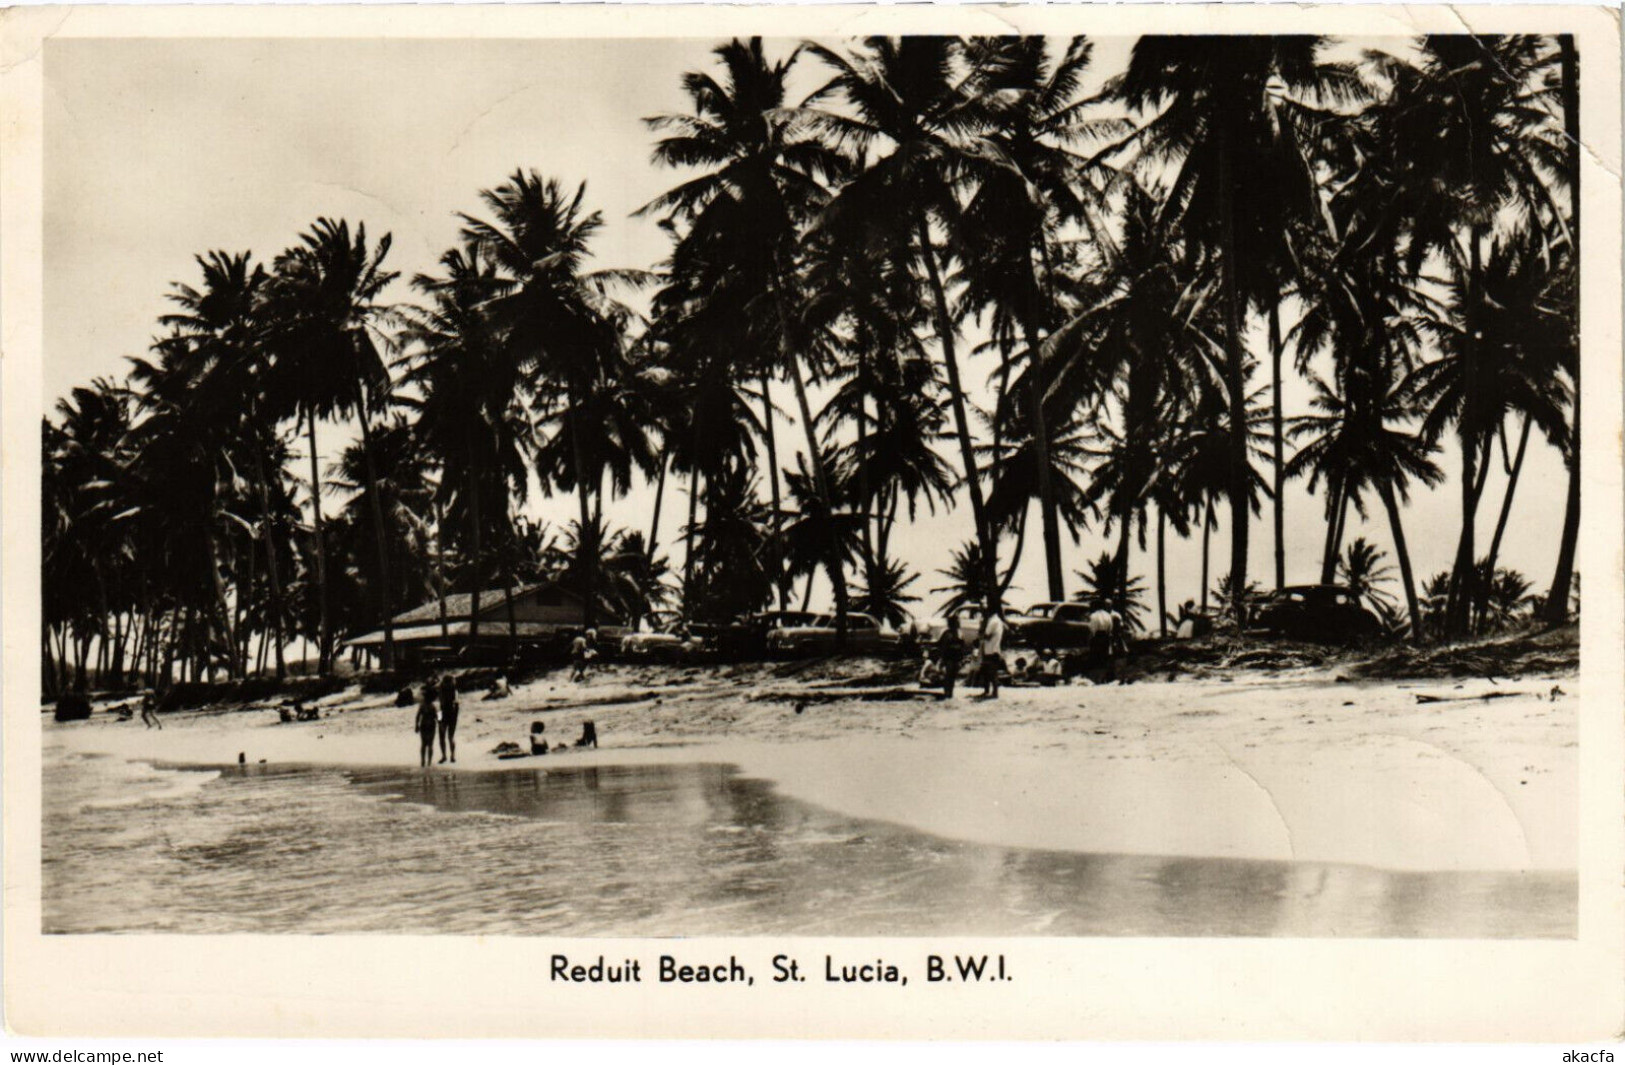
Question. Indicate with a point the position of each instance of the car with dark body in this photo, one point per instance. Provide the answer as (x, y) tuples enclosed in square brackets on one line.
[(818, 635), (746, 639), (1052, 626), (1328, 613)]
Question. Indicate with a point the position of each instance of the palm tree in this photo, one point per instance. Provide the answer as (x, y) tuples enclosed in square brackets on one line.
[(1355, 442), (966, 575), (218, 331), (1030, 182), (903, 93), (564, 328), (1107, 584), (326, 327), (1555, 609), (763, 177), (1464, 147), (1363, 572), (470, 409), (1215, 118)]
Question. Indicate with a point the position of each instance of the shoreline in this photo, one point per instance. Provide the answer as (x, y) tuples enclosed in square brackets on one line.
[(1299, 766)]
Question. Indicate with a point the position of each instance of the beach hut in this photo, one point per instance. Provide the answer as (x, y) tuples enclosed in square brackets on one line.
[(544, 618)]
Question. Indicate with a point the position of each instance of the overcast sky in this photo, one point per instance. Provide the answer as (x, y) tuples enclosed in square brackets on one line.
[(159, 150)]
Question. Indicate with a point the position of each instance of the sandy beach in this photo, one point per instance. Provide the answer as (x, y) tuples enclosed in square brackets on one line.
[(1298, 765)]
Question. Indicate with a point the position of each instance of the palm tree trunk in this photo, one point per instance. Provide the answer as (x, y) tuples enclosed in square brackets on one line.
[(586, 548), (474, 576), (688, 539), (47, 666), (1046, 490), (654, 522), (1235, 381), (513, 616), (776, 554), (806, 594), (1389, 503), (272, 568), (1506, 503), (1162, 573), (1459, 604), (815, 459), (1277, 349), (1337, 510), (380, 537), (221, 610), (1464, 576), (1125, 533), (1207, 530), (1556, 608), (324, 644), (869, 561), (956, 395), (1015, 554), (440, 568), (245, 589)]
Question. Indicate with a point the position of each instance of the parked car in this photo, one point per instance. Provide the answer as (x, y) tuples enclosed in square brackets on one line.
[(1321, 612), (744, 639), (926, 633), (1055, 626), (817, 636), (656, 636)]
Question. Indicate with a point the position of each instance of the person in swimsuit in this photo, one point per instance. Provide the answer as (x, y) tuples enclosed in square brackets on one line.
[(448, 718), (425, 724)]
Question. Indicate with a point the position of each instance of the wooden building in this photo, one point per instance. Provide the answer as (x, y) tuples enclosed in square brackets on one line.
[(543, 617)]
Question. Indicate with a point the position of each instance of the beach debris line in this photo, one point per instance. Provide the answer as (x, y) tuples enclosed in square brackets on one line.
[(1424, 697)]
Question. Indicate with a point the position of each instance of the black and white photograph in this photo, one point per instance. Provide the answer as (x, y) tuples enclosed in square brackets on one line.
[(1084, 485)]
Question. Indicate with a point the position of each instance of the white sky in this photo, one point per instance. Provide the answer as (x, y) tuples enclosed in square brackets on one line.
[(157, 150)]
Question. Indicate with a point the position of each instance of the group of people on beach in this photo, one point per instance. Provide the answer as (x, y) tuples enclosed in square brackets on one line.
[(1107, 639), (437, 715), (950, 651)]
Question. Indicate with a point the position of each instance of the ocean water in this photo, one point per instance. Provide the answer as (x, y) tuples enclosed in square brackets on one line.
[(658, 851)]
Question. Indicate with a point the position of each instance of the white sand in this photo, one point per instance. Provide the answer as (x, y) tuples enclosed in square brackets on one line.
[(1264, 767)]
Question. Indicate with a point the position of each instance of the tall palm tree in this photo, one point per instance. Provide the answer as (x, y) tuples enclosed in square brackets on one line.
[(762, 176), (218, 331), (1357, 441), (1464, 148), (563, 325), (1030, 181), (1555, 609), (470, 409), (327, 328), (908, 95), (1214, 121)]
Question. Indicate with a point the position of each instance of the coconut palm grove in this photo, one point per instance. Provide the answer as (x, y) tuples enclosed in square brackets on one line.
[(1140, 271)]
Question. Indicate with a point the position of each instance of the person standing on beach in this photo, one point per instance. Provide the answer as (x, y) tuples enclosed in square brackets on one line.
[(448, 717), (949, 650), (149, 712), (425, 724), (992, 646), (578, 657)]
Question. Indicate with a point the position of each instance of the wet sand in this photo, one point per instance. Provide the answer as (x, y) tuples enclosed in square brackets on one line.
[(1294, 767)]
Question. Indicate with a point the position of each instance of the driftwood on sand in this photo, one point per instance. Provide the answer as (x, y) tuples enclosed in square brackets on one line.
[(1424, 697)]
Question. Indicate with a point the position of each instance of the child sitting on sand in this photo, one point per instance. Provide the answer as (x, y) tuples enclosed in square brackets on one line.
[(538, 745)]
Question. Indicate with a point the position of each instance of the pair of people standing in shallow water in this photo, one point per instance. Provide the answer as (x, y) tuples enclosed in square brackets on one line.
[(437, 713)]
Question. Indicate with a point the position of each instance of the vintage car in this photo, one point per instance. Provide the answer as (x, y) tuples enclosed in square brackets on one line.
[(926, 633), (1052, 626), (818, 636), (1319, 612), (656, 637)]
